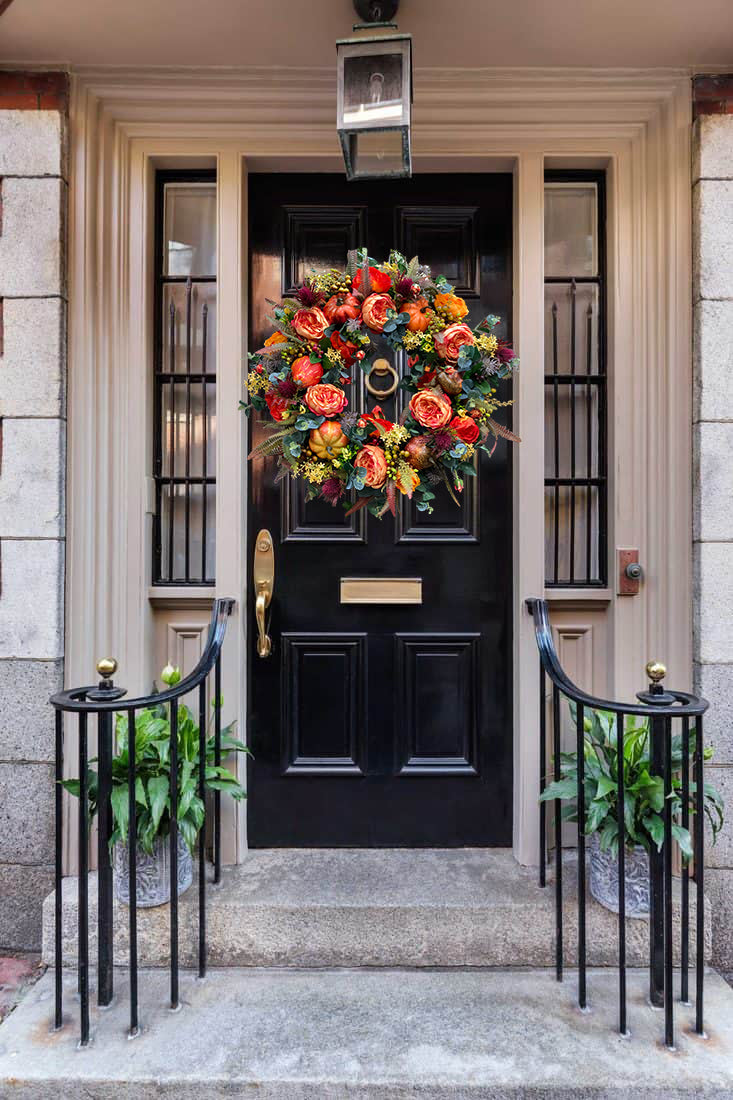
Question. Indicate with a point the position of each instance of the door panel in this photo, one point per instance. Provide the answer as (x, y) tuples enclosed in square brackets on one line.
[(383, 724)]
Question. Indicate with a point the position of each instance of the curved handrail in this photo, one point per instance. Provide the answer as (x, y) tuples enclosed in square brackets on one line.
[(689, 706), (74, 699)]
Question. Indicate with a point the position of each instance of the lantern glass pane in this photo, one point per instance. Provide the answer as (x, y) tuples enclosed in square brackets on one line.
[(377, 152), (373, 90)]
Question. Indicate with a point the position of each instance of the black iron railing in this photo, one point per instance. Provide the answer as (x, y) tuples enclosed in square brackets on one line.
[(662, 708), (104, 700)]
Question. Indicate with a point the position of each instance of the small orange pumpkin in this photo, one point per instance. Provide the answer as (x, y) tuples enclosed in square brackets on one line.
[(328, 440), (419, 320)]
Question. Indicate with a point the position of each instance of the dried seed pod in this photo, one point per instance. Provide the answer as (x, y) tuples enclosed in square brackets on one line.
[(450, 381)]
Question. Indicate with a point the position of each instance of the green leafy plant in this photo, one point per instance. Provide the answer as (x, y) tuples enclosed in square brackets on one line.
[(643, 791), (152, 773)]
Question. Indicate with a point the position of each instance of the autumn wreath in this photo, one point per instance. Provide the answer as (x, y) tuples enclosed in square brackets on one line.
[(331, 325)]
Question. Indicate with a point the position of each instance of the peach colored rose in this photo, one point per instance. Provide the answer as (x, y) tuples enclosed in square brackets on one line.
[(310, 323), (431, 408), (374, 311), (325, 399), (374, 462), (449, 342)]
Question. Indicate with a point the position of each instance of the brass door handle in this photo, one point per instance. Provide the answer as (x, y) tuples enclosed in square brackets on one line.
[(263, 575)]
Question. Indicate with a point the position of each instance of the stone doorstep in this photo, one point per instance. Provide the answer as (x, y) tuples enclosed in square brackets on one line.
[(372, 1035), (371, 907)]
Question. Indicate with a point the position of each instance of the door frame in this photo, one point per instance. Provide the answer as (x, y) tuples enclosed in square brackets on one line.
[(125, 123)]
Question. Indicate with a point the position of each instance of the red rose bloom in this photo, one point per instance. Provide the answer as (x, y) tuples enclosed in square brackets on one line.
[(379, 280), (465, 428), (278, 406), (374, 311), (310, 323), (449, 342), (325, 399), (345, 348)]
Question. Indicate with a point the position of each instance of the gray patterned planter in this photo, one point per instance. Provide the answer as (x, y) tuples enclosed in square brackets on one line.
[(604, 878), (153, 872)]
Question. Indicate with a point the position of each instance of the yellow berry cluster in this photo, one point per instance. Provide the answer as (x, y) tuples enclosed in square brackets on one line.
[(331, 282)]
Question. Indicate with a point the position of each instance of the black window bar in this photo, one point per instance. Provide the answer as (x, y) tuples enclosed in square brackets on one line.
[(176, 483), (576, 398), (663, 708), (104, 701)]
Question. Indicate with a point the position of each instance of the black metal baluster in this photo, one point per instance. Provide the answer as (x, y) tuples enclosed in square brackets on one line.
[(132, 865), (83, 959), (217, 761), (202, 833), (543, 770), (668, 945), (580, 732), (105, 933), (172, 436), (204, 456), (174, 849), (556, 417), (558, 835), (656, 878), (699, 876), (573, 471), (58, 871), (685, 901), (588, 442), (187, 467), (620, 798)]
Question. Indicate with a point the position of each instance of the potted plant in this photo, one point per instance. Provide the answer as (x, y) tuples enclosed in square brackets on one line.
[(643, 805), (152, 795)]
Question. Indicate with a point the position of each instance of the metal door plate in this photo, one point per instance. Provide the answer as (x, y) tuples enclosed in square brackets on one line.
[(381, 590)]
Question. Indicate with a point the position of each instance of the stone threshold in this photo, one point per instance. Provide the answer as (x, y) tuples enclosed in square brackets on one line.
[(383, 1035), (371, 907)]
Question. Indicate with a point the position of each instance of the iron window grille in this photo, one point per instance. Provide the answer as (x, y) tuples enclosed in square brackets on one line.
[(184, 395), (576, 400)]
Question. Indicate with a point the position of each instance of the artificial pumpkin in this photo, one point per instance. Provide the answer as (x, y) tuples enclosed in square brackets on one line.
[(419, 319), (342, 307), (328, 440)]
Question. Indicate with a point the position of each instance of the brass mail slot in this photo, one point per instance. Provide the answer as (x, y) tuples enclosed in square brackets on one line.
[(381, 590)]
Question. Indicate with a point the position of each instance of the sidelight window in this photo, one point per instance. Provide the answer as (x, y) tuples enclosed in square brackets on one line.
[(185, 379), (575, 381)]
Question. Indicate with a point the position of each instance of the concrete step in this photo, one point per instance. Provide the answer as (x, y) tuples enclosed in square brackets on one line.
[(369, 1035), (369, 907)]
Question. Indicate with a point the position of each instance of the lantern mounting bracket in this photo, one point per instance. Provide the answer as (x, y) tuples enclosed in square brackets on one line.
[(376, 11)]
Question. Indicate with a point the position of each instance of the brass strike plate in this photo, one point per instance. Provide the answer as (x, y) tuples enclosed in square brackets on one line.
[(381, 590)]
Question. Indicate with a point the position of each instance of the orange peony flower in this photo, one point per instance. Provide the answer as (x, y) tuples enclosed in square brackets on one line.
[(325, 399), (374, 462), (379, 280), (431, 408), (374, 311), (449, 342), (451, 304), (310, 323), (276, 338)]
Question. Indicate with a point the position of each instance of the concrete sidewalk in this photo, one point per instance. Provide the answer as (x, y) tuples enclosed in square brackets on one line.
[(379, 1034)]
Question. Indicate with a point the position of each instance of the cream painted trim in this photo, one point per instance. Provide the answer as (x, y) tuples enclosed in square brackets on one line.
[(122, 121)]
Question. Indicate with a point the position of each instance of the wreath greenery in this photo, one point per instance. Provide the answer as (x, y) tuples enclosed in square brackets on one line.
[(330, 327)]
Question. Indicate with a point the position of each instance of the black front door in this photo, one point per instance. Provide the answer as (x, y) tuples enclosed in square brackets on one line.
[(383, 724)]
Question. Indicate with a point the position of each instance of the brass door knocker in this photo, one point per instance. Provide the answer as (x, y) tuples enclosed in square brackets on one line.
[(382, 367)]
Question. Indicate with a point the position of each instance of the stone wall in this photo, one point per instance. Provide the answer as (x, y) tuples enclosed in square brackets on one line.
[(33, 200), (712, 194)]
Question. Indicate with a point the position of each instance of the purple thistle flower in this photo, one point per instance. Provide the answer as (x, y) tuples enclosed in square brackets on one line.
[(332, 490), (441, 441), (287, 388), (307, 296)]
